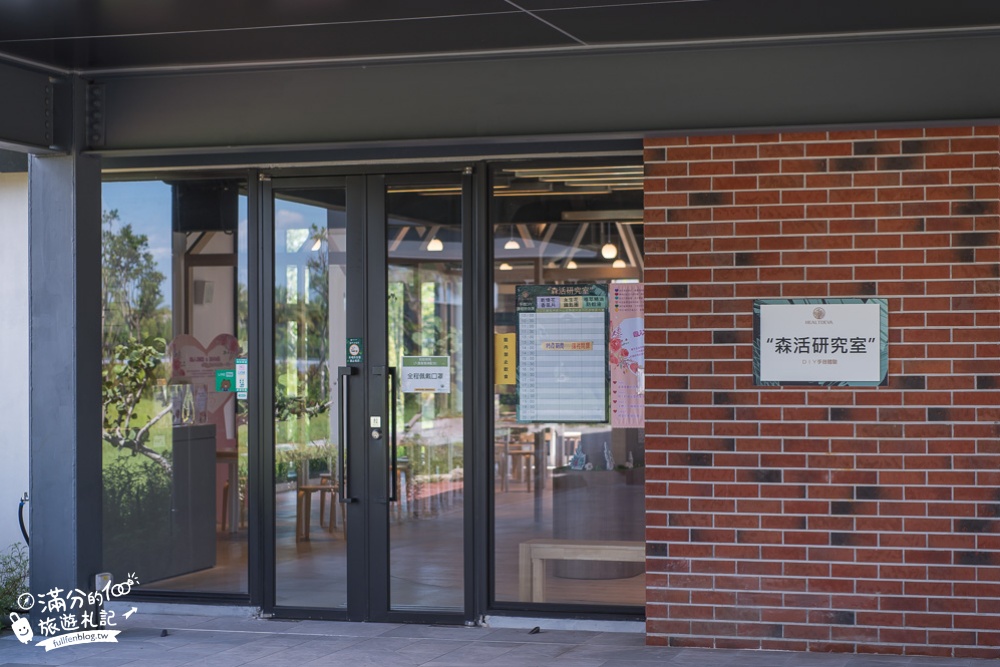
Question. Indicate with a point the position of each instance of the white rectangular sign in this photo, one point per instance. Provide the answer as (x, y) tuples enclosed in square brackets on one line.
[(838, 343), (425, 374)]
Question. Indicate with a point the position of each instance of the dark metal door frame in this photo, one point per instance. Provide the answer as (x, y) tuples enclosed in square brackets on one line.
[(368, 550)]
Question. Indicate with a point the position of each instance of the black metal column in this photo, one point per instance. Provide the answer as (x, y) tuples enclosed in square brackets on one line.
[(65, 358)]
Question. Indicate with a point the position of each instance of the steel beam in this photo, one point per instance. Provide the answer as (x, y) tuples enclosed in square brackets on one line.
[(901, 80), (32, 105)]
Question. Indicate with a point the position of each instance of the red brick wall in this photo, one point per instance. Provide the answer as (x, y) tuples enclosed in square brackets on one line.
[(845, 519)]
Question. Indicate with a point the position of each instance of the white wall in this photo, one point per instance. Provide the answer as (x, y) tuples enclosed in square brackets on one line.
[(13, 353)]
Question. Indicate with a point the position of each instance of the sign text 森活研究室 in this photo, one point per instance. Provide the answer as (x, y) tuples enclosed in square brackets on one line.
[(821, 341)]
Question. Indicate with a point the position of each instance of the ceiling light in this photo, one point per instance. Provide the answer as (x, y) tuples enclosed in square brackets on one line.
[(571, 264), (504, 266), (317, 244), (609, 250), (511, 244), (620, 170), (550, 193), (444, 189), (599, 178), (435, 245), (632, 215), (619, 264)]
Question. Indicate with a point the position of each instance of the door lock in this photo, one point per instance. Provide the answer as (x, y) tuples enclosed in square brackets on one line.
[(376, 434)]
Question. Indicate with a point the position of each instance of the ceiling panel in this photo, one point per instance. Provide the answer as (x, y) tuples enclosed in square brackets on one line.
[(715, 19), (440, 35), (88, 34), (46, 19)]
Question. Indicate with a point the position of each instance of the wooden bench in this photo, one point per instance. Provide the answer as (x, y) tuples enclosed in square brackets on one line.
[(534, 553)]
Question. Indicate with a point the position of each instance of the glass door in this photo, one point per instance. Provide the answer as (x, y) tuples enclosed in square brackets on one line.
[(310, 315), (368, 506), (423, 317)]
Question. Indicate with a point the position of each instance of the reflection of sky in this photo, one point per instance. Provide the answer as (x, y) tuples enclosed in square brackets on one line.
[(293, 232), (147, 206), (242, 244)]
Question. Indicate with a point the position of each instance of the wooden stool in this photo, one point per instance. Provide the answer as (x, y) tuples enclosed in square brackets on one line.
[(303, 508)]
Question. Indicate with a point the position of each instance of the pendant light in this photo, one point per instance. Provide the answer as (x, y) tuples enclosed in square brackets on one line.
[(511, 244), (609, 250)]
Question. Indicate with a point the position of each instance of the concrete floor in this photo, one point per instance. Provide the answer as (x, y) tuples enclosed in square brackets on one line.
[(230, 642)]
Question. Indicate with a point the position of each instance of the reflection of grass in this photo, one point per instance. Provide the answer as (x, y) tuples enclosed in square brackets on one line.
[(303, 429), (160, 436), (136, 513)]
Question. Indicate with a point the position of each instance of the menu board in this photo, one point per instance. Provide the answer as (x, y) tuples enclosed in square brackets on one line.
[(562, 353)]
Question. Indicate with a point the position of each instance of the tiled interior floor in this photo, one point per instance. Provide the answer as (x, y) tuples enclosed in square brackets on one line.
[(232, 642), (426, 556)]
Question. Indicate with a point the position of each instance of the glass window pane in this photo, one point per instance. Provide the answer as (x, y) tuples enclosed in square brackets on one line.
[(310, 240), (424, 318), (568, 444), (174, 290)]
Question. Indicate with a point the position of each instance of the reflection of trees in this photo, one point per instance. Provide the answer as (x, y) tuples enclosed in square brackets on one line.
[(124, 380), (242, 315), (130, 285), (303, 349), (424, 319), (132, 344)]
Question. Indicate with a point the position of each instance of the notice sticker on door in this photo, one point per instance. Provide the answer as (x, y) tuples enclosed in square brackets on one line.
[(242, 379), (426, 374), (225, 380), (355, 351)]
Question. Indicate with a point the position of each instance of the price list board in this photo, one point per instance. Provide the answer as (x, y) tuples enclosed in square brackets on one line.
[(562, 353)]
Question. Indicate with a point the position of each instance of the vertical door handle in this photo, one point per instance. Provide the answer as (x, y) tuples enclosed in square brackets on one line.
[(394, 470), (390, 413), (343, 372)]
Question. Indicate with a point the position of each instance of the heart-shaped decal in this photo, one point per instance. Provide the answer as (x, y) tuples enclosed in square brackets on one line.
[(195, 364)]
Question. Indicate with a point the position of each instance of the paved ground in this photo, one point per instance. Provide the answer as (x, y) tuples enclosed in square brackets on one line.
[(228, 642)]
